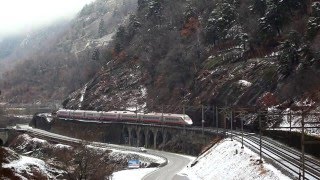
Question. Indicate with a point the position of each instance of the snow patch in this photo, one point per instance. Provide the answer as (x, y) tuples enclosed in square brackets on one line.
[(29, 165), (134, 174), (83, 92), (62, 146), (244, 83), (226, 160)]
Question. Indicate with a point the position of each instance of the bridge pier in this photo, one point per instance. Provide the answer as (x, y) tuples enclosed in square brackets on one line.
[(154, 136), (155, 142)]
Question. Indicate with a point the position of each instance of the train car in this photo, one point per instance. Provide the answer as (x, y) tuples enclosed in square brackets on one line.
[(109, 116), (151, 117), (77, 114), (177, 119), (92, 115), (63, 113), (127, 116)]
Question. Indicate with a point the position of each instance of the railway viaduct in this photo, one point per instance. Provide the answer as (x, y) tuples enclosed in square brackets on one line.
[(133, 134), (152, 136)]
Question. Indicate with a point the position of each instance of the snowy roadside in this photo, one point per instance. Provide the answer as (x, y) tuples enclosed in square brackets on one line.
[(133, 174), (26, 167), (293, 119), (226, 160)]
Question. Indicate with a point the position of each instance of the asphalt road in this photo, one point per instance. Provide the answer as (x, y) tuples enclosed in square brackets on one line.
[(175, 164)]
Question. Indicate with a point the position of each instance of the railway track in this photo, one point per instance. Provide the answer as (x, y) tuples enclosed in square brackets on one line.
[(286, 158), (282, 156)]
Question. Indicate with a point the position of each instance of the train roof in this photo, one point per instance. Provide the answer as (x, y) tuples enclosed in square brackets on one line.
[(130, 112)]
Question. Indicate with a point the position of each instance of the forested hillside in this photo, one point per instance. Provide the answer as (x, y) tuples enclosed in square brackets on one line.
[(148, 53), (49, 63), (222, 52)]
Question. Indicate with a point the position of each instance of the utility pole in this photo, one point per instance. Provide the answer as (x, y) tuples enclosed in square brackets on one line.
[(231, 119), (260, 141), (184, 112), (217, 118), (302, 147), (162, 115), (137, 114), (202, 121), (290, 119), (213, 110), (241, 132)]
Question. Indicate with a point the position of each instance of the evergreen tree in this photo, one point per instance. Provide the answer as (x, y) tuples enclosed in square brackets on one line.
[(102, 28), (314, 21)]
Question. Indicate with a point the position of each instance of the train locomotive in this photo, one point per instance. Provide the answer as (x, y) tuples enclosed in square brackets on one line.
[(126, 116)]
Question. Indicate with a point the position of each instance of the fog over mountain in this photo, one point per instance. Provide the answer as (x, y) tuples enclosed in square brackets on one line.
[(18, 16)]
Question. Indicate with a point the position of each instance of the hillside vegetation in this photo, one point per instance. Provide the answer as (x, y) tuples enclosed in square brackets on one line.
[(52, 62), (222, 52)]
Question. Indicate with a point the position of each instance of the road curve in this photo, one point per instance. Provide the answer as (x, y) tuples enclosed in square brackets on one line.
[(175, 164)]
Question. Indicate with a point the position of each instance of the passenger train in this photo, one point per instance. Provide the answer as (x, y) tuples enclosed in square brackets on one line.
[(126, 116)]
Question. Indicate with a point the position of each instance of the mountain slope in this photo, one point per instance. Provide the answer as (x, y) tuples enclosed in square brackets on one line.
[(245, 53), (59, 59)]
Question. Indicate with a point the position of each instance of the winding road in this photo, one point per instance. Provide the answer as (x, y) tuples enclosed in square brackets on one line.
[(174, 163)]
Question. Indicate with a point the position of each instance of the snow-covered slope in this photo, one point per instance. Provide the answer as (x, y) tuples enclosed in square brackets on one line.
[(226, 160)]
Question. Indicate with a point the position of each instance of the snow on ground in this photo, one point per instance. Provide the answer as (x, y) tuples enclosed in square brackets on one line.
[(244, 83), (134, 174), (61, 146), (83, 92), (47, 116), (143, 156), (226, 160), (32, 165), (21, 116), (293, 118), (120, 154)]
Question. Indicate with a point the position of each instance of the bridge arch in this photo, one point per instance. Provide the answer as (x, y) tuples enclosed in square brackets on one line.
[(142, 138), (134, 137), (125, 136), (167, 137), (150, 139), (159, 139)]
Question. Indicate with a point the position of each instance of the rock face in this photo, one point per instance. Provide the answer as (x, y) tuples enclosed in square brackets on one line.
[(57, 60), (41, 121), (193, 53), (119, 87)]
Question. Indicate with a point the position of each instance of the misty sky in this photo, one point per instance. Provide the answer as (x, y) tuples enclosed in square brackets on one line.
[(18, 16)]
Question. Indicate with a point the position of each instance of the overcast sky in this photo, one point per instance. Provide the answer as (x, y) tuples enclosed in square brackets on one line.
[(18, 16)]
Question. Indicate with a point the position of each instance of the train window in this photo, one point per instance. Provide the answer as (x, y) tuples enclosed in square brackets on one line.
[(172, 119)]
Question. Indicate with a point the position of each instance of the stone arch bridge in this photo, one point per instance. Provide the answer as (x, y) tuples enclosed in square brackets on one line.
[(151, 136)]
